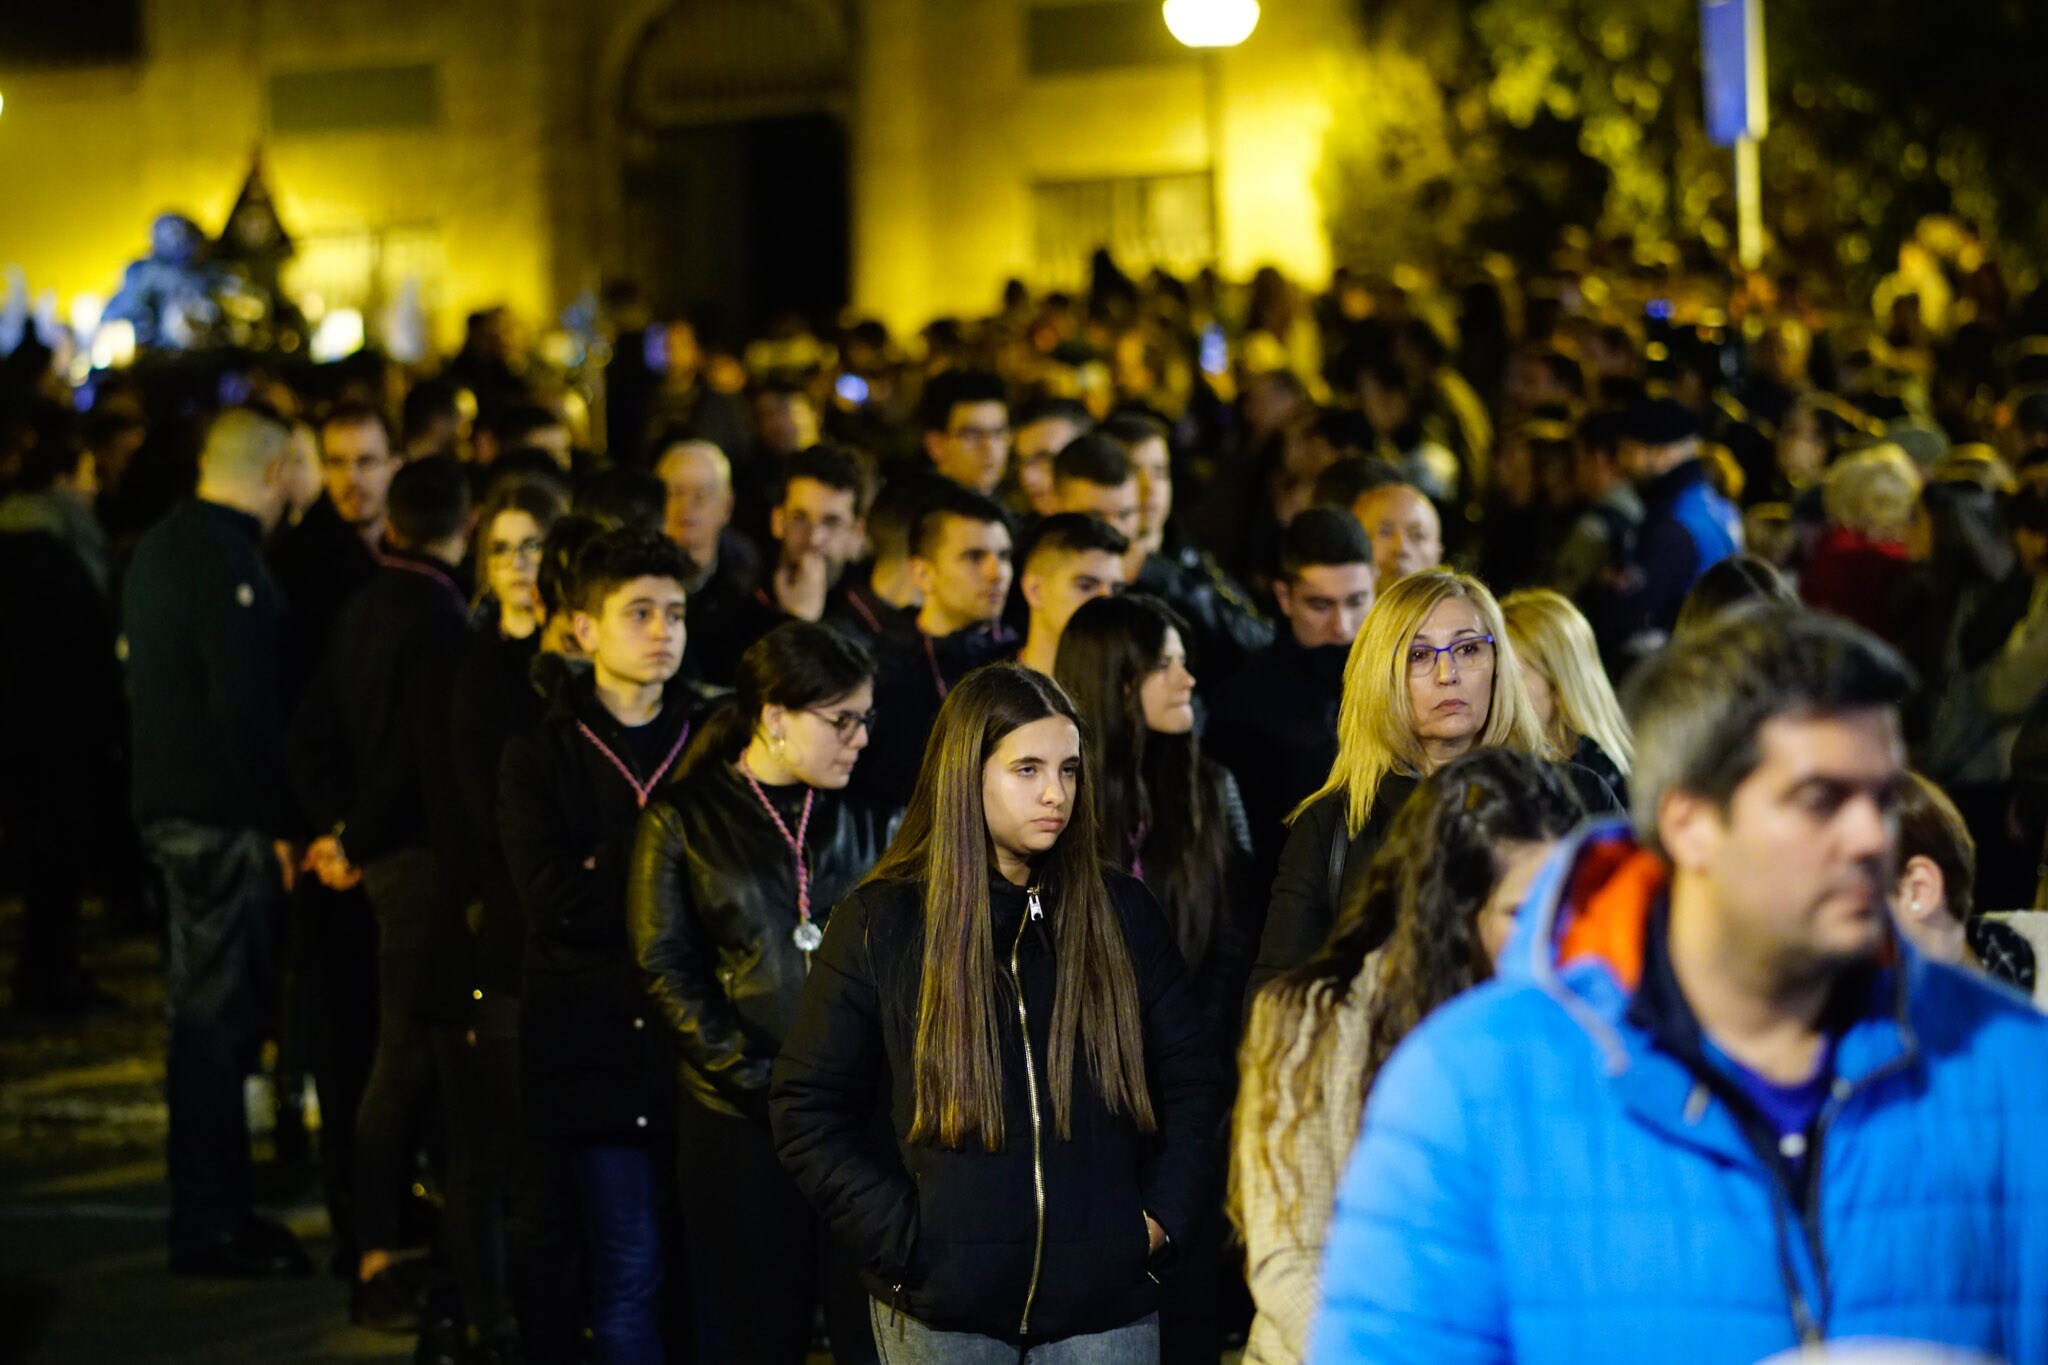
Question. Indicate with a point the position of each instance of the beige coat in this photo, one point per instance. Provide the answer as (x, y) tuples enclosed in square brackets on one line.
[(1282, 1260)]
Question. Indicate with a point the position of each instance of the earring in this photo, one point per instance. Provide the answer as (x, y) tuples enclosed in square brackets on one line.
[(775, 738), (1913, 906)]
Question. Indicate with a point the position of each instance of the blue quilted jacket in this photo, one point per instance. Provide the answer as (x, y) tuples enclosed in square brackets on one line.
[(1538, 1182)]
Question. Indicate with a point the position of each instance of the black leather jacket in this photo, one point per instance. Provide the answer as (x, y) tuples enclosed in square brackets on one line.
[(711, 901)]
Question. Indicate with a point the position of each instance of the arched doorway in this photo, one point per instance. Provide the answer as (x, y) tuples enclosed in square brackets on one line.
[(734, 161)]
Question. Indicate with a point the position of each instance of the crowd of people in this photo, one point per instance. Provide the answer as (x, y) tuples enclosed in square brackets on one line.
[(1092, 834)]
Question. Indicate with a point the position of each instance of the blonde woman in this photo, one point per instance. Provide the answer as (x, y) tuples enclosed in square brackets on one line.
[(1575, 704), (1858, 566), (1432, 676)]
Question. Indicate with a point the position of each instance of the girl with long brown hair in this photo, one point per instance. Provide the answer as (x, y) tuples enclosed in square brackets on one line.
[(1456, 863), (1027, 1015), (1174, 818)]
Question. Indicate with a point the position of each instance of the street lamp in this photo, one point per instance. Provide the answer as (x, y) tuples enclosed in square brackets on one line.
[(1211, 23), (1209, 26)]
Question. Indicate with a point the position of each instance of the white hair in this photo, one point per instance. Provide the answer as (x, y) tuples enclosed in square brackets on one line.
[(706, 450)]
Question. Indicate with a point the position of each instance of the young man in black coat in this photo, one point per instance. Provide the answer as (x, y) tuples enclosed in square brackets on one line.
[(321, 562), (1274, 723), (960, 557), (1121, 473), (369, 739), (203, 623), (596, 1081)]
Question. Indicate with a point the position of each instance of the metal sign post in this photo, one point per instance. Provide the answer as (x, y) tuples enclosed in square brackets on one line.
[(1738, 113)]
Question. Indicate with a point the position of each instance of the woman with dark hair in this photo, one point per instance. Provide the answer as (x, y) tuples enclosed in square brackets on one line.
[(1051, 1100), (1163, 810), (492, 699), (1738, 578), (736, 865), (1932, 901), (512, 527), (1453, 871), (1175, 819)]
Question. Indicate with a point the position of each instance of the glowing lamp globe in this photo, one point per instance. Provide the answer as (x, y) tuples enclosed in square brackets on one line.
[(1211, 23)]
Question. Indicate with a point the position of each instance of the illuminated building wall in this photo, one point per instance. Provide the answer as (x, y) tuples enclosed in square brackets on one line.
[(400, 139), (960, 138), (475, 146)]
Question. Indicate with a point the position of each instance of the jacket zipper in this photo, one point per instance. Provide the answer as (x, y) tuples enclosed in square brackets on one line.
[(1037, 912), (1813, 1327)]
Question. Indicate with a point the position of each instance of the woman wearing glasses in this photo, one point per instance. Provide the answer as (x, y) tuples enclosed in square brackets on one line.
[(1431, 677), (492, 698), (737, 864)]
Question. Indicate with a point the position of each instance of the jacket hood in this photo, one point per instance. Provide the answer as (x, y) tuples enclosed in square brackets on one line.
[(554, 676), (1583, 934)]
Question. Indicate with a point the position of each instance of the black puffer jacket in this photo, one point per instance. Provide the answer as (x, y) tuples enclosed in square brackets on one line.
[(711, 902), (955, 1238), (594, 1059)]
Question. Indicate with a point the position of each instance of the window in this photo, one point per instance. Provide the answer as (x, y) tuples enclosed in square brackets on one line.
[(1167, 221), (1095, 35)]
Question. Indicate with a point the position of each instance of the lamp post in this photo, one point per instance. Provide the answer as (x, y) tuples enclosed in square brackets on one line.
[(1210, 26)]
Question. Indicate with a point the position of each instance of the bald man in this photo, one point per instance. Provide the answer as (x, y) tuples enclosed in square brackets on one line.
[(1407, 535), (204, 625)]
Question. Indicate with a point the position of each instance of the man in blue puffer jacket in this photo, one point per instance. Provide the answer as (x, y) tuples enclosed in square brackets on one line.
[(1687, 528), (1710, 1110)]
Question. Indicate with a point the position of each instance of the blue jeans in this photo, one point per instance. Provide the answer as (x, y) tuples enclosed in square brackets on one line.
[(903, 1340), (615, 1187)]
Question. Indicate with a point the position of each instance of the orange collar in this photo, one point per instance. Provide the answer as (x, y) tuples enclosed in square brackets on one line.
[(1612, 890)]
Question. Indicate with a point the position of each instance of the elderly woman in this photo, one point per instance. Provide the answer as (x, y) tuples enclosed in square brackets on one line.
[(1859, 565)]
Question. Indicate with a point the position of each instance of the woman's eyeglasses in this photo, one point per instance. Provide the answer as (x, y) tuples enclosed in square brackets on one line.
[(1474, 651), (513, 549), (844, 723)]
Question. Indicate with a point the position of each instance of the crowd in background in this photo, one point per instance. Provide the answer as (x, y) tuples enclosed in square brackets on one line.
[(503, 747)]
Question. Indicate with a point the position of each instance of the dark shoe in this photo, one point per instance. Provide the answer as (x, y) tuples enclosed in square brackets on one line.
[(388, 1301), (258, 1250)]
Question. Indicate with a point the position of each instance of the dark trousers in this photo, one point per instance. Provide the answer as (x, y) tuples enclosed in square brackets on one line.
[(223, 893), (480, 1070), (390, 1124), (761, 1259), (335, 940), (404, 890)]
